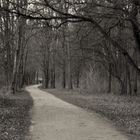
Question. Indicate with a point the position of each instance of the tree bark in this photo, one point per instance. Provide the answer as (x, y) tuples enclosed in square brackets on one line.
[(69, 66), (109, 79), (64, 75), (129, 80)]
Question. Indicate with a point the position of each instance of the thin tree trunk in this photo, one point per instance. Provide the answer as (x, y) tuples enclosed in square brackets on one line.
[(110, 79), (37, 75), (7, 46), (124, 84), (129, 80), (24, 67), (64, 75), (64, 61), (46, 78), (78, 80), (69, 67), (135, 73), (19, 52)]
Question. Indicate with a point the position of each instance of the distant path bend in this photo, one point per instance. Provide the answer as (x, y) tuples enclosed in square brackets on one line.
[(54, 119)]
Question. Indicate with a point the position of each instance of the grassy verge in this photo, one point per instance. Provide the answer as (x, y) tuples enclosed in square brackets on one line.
[(15, 116), (123, 111)]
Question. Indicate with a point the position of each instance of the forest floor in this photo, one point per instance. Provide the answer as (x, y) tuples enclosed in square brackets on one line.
[(124, 112), (15, 116), (53, 114), (55, 119)]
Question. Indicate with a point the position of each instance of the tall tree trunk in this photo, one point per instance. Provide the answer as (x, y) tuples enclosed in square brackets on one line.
[(129, 80), (53, 53), (19, 51), (24, 67), (78, 80), (69, 66), (52, 71), (136, 83), (46, 78), (109, 79), (124, 84), (64, 59), (8, 67), (54, 75), (37, 76), (64, 75), (135, 26), (15, 72), (135, 73)]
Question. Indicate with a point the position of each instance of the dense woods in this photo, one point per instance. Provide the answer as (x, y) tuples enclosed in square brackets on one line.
[(88, 44)]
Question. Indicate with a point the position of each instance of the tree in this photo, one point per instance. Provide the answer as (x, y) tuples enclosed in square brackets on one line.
[(108, 36)]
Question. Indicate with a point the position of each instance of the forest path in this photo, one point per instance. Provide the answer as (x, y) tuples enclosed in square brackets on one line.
[(54, 119)]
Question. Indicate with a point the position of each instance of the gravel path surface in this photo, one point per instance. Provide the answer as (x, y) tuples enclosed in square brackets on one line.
[(54, 119)]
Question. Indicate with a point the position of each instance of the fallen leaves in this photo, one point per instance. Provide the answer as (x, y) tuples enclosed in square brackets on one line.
[(14, 118)]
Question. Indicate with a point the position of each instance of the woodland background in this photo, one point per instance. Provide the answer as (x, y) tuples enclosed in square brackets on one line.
[(88, 44), (86, 52)]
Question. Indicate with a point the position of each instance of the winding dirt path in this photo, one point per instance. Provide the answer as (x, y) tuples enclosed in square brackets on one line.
[(54, 119)]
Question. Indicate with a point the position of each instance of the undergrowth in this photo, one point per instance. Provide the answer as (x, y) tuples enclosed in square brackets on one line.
[(15, 116)]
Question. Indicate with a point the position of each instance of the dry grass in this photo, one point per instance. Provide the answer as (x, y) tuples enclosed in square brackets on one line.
[(14, 116), (123, 111)]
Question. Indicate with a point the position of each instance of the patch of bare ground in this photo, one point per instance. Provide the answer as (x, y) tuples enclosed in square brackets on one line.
[(123, 111)]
